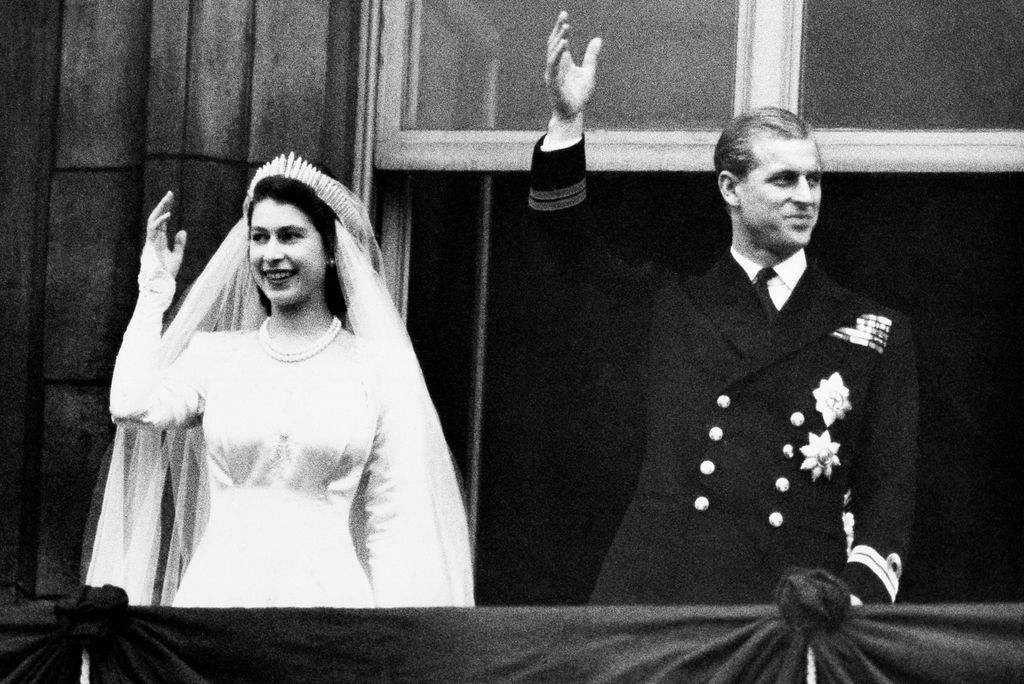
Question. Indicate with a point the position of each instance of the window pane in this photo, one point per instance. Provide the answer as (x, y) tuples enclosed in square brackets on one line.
[(914, 64), (665, 65)]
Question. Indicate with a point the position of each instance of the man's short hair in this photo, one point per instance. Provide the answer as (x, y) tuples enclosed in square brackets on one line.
[(734, 151)]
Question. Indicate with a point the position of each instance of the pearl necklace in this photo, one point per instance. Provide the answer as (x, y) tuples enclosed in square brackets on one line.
[(314, 348)]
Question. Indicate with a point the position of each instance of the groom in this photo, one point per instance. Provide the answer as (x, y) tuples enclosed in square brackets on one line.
[(781, 408)]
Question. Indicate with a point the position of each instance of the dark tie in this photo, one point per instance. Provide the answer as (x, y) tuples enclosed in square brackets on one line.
[(761, 288)]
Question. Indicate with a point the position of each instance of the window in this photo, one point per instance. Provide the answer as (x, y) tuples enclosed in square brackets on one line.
[(910, 86), (918, 107)]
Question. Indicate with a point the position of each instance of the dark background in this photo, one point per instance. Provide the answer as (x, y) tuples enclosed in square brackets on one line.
[(561, 448)]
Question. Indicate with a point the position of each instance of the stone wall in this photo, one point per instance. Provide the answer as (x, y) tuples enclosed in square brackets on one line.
[(106, 106)]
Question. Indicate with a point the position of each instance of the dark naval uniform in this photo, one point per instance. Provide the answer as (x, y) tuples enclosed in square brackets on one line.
[(761, 438)]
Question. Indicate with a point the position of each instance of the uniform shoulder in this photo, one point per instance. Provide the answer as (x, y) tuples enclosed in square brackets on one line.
[(855, 304), (868, 323), (859, 306)]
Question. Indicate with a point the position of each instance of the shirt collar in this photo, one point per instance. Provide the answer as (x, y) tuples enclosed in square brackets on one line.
[(789, 271)]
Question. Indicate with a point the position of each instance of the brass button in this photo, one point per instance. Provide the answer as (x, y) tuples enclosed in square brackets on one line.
[(707, 467), (787, 450), (724, 401), (775, 519), (797, 419), (715, 433), (701, 503), (782, 484)]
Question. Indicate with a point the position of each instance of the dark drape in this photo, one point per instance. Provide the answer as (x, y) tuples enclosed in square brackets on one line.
[(937, 643)]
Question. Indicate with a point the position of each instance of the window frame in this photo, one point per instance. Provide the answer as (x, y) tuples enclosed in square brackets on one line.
[(768, 70), (768, 66)]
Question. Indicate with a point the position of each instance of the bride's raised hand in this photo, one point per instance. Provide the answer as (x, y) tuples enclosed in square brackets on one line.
[(156, 252)]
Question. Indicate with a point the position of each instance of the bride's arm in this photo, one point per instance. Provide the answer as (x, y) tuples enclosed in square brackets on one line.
[(138, 393), (397, 521), (416, 538)]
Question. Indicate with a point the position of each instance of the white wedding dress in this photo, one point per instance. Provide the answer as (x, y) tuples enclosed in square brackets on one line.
[(322, 479), (287, 445), (294, 450)]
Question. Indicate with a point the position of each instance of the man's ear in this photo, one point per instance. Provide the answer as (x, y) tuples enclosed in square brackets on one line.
[(727, 182)]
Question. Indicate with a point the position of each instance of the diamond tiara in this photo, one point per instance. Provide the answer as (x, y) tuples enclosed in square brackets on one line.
[(346, 206)]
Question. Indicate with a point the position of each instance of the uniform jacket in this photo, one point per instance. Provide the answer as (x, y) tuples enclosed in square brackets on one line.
[(758, 436)]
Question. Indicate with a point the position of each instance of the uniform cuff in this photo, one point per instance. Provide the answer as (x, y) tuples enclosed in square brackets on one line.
[(558, 178), (886, 570)]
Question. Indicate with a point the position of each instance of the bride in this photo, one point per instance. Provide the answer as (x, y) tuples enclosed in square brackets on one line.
[(286, 408)]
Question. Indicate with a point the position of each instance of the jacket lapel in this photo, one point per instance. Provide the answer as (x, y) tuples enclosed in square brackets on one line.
[(817, 307), (725, 296)]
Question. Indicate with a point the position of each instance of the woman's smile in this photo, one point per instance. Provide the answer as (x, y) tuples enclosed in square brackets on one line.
[(287, 256), (277, 276)]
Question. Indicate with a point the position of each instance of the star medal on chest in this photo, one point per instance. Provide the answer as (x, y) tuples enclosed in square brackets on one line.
[(832, 399), (821, 453)]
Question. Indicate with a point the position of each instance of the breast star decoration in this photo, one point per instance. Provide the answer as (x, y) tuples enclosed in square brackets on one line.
[(833, 399), (820, 455)]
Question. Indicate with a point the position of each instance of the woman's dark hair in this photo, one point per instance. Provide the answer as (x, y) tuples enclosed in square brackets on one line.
[(302, 197)]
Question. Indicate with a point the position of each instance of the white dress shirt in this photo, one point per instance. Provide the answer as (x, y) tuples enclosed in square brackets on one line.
[(787, 274)]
